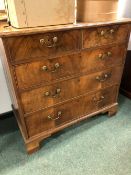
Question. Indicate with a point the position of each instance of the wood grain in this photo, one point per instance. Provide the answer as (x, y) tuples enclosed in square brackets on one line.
[(32, 74), (43, 45), (104, 35), (88, 75), (6, 30), (36, 99), (84, 105), (126, 78)]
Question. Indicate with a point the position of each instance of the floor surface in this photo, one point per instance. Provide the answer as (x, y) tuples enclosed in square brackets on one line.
[(97, 146)]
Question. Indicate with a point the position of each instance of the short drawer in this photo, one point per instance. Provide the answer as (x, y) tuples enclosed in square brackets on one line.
[(47, 96), (41, 72), (65, 113), (22, 48), (94, 37)]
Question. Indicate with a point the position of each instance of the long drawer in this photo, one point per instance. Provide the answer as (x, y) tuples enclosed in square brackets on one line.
[(93, 37), (57, 116), (47, 96), (22, 48), (48, 70)]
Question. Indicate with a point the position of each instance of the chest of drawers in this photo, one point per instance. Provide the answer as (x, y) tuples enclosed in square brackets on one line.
[(60, 75)]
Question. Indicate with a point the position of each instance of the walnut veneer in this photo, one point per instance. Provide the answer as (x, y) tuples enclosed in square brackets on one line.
[(60, 75)]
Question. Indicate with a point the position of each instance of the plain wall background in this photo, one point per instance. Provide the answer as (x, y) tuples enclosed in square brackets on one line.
[(5, 102), (2, 4)]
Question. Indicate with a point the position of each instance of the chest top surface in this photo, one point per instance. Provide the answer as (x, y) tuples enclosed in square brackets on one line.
[(6, 30)]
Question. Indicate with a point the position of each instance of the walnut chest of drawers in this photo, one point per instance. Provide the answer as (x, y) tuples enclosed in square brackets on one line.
[(60, 75)]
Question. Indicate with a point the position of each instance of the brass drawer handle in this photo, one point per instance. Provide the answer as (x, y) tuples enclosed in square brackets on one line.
[(103, 77), (109, 54), (112, 31), (56, 68), (55, 39), (47, 94), (44, 68), (98, 100), (55, 95), (42, 41), (105, 33), (105, 55), (102, 33), (49, 42), (57, 117)]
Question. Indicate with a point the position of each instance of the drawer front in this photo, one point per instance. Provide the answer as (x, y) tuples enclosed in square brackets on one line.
[(94, 37), (57, 116), (43, 45), (50, 95), (49, 70)]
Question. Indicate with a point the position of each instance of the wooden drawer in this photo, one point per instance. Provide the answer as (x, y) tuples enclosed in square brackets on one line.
[(93, 37), (46, 45), (47, 96), (49, 70), (60, 115)]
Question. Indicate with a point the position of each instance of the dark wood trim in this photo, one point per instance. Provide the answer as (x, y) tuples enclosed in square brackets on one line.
[(125, 93), (125, 88), (6, 115)]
